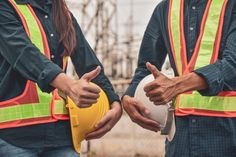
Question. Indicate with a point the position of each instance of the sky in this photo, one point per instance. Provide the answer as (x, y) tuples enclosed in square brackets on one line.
[(142, 10)]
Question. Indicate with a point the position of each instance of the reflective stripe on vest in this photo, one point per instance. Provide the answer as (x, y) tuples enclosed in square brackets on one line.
[(32, 106), (206, 52)]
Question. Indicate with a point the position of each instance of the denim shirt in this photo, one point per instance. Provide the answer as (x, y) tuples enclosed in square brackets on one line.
[(155, 46), (20, 61)]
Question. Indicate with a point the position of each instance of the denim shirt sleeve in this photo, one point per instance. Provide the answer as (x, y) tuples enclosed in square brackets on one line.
[(85, 60), (222, 73), (152, 50), (21, 53)]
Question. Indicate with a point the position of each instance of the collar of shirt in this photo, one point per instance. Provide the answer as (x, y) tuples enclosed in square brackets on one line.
[(31, 2), (34, 4)]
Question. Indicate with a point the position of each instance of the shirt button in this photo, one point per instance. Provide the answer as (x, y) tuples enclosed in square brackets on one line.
[(194, 120), (52, 35), (191, 50), (193, 7), (191, 28), (52, 56), (46, 16)]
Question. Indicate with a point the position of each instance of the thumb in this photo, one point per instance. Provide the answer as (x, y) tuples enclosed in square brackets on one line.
[(92, 74), (153, 70), (142, 108)]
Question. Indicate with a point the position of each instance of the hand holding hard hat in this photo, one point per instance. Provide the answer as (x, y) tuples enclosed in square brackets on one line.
[(107, 122), (82, 92), (163, 113), (83, 120), (162, 89), (89, 108)]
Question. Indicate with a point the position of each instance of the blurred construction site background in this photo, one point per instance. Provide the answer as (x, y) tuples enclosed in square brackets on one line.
[(114, 29)]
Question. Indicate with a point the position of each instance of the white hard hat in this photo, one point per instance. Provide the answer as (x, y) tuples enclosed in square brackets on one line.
[(163, 114)]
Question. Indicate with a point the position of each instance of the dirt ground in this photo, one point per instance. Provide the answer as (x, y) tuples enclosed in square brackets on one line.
[(128, 140)]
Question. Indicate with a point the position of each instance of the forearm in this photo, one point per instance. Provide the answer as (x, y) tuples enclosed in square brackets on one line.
[(189, 82)]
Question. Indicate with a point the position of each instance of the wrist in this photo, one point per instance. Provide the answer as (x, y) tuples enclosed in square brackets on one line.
[(189, 82), (116, 106), (180, 84), (63, 83)]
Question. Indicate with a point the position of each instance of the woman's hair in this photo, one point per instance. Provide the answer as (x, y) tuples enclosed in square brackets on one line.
[(64, 26)]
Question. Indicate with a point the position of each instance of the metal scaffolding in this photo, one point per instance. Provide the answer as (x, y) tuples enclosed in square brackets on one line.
[(99, 21)]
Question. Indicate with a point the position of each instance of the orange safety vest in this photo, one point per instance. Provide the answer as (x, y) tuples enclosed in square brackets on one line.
[(206, 52), (32, 106)]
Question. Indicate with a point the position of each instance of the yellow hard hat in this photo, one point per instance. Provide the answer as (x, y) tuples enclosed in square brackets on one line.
[(83, 120)]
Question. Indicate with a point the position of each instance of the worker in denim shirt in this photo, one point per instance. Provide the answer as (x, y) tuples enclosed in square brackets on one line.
[(205, 129), (21, 60)]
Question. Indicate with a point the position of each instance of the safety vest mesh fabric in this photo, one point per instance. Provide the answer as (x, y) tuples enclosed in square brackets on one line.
[(206, 52), (33, 106)]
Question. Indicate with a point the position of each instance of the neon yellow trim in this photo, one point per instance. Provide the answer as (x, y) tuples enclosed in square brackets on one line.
[(175, 29), (216, 103), (35, 34), (28, 111), (208, 40), (195, 100), (44, 97), (36, 110), (60, 107)]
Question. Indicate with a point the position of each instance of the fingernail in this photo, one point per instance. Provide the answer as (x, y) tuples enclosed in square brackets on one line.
[(147, 112)]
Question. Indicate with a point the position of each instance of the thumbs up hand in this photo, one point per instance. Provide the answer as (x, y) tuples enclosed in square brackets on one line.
[(91, 75), (82, 92), (162, 90), (155, 72)]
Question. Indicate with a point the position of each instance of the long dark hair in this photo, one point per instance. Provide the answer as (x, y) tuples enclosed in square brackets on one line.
[(64, 25)]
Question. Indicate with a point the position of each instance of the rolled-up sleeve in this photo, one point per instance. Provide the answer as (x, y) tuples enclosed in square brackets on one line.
[(152, 50), (85, 60), (21, 53), (222, 74)]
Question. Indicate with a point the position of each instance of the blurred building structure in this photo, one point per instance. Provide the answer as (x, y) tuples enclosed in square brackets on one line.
[(110, 33)]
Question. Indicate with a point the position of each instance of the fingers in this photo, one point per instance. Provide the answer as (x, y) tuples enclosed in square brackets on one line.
[(103, 121), (148, 127), (82, 92), (153, 70), (142, 108), (83, 103), (135, 111), (102, 127), (84, 106), (106, 123), (87, 101), (98, 133), (140, 119), (160, 98), (89, 95), (92, 89), (154, 93), (92, 74), (151, 86)]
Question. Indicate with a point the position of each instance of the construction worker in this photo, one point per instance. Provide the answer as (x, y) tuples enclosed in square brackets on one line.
[(36, 35), (199, 38)]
